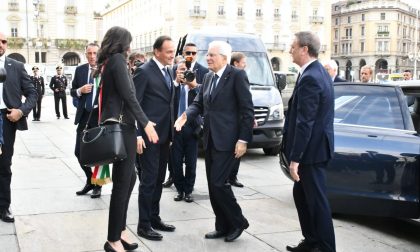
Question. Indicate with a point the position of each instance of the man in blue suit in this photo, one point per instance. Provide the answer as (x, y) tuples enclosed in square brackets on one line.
[(308, 143), (83, 90)]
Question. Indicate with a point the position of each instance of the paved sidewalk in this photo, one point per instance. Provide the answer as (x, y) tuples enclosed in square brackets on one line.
[(50, 217)]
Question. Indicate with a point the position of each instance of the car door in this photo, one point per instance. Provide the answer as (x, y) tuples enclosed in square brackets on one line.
[(375, 167)]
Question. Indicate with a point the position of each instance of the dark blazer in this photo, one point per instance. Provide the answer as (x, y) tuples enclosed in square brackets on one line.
[(58, 82), (338, 79), (39, 85), (228, 112), (118, 90), (308, 132), (200, 71), (191, 96), (18, 83), (80, 79), (156, 99)]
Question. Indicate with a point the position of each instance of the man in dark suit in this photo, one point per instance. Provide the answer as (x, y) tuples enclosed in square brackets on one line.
[(14, 113), (190, 54), (226, 104), (155, 93), (332, 69), (308, 143), (58, 85), (185, 143), (84, 90), (39, 85)]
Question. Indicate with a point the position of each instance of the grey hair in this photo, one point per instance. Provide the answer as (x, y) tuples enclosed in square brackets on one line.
[(331, 63), (311, 40), (224, 48)]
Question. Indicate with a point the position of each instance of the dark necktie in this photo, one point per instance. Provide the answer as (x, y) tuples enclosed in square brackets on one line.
[(89, 96), (214, 83), (167, 78), (182, 103)]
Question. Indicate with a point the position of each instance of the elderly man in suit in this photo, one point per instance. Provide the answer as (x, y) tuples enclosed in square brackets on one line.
[(84, 90), (332, 69), (14, 113), (308, 143), (155, 93), (226, 104)]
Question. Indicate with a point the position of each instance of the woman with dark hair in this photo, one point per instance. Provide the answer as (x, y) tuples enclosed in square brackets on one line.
[(118, 100)]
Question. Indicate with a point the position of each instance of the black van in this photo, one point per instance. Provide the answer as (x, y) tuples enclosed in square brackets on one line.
[(268, 104)]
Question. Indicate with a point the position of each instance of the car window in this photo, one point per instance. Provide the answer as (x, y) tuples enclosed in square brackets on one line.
[(367, 106)]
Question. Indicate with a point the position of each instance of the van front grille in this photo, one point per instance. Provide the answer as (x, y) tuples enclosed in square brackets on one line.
[(261, 114)]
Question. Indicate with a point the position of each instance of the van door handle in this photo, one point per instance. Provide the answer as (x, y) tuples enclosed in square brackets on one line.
[(372, 136)]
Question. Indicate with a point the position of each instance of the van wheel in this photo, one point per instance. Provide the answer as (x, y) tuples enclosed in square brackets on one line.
[(274, 151)]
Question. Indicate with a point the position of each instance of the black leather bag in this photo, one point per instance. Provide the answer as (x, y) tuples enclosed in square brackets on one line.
[(103, 144)]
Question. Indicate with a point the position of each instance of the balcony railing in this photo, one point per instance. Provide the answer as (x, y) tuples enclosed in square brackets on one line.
[(276, 46), (198, 13), (346, 37), (70, 10), (383, 33), (15, 42), (316, 19), (13, 6), (78, 44)]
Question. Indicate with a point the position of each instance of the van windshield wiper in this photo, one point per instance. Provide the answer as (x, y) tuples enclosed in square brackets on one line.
[(256, 84)]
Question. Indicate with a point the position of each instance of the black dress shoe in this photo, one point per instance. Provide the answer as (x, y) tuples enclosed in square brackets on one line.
[(66, 117), (163, 227), (108, 247), (6, 215), (303, 246), (179, 196), (215, 234), (188, 198), (96, 193), (235, 182), (149, 234), (168, 183), (233, 235), (85, 189), (129, 246)]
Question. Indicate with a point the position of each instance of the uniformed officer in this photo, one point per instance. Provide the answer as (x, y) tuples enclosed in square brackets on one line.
[(38, 82), (59, 84)]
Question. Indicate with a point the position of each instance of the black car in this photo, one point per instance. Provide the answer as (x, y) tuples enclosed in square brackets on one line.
[(375, 169)]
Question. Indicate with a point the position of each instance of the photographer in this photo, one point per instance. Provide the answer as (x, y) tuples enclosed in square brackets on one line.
[(185, 142), (135, 60), (58, 84)]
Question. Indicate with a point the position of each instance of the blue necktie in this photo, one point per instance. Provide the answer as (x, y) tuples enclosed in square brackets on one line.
[(167, 78), (182, 97), (89, 96), (213, 83)]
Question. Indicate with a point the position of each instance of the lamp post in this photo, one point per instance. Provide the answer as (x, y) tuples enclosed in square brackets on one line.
[(36, 5)]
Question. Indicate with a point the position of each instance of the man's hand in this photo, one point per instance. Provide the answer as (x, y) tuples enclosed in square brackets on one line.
[(151, 132), (294, 171), (192, 84), (140, 145), (14, 115), (179, 76), (240, 149), (87, 88), (179, 123)]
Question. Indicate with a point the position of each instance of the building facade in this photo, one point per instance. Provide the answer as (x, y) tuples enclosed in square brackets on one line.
[(275, 21), (48, 32), (380, 33)]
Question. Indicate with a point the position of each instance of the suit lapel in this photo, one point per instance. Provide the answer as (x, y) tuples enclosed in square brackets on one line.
[(159, 74), (221, 82)]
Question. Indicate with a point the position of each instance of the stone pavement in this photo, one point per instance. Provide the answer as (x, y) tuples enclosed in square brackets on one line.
[(50, 217)]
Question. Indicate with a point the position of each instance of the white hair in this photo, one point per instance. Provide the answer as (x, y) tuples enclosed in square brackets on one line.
[(331, 63), (224, 48)]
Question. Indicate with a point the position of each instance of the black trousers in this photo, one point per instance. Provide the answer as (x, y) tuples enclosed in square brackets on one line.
[(153, 163), (57, 97), (124, 178), (185, 145), (37, 109), (9, 135), (219, 165), (79, 133), (312, 206), (234, 174)]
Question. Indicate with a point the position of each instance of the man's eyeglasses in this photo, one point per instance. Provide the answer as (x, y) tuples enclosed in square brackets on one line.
[(190, 53), (59, 68), (35, 69), (3, 41)]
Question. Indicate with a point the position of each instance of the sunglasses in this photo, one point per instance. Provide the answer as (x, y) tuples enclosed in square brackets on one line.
[(35, 69), (59, 68), (3, 41), (190, 53)]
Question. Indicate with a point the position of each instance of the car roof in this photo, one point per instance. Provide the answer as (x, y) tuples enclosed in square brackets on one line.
[(410, 87)]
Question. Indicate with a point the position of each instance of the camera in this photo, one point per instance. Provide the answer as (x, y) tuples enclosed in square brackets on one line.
[(2, 74), (188, 74), (138, 63)]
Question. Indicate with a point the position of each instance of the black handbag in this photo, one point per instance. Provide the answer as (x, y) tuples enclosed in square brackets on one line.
[(103, 144)]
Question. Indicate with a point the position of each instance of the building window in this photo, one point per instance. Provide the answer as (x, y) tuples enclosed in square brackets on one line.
[(404, 48), (336, 21), (363, 17), (43, 57), (362, 30), (335, 49), (276, 39), (336, 8), (294, 15), (70, 31), (362, 46), (349, 33), (14, 32), (382, 16), (196, 9), (349, 19), (336, 34), (258, 13), (276, 13), (240, 12), (221, 10)]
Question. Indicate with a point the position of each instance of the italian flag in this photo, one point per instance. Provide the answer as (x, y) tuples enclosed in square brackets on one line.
[(101, 175)]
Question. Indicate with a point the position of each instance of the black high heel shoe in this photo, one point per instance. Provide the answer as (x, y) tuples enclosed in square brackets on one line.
[(129, 246), (108, 247)]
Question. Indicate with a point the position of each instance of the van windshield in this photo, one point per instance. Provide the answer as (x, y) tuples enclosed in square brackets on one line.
[(258, 68)]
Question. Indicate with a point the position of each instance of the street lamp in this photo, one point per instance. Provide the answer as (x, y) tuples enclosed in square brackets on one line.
[(36, 4)]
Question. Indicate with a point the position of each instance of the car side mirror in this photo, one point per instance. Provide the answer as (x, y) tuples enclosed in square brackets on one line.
[(280, 81)]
